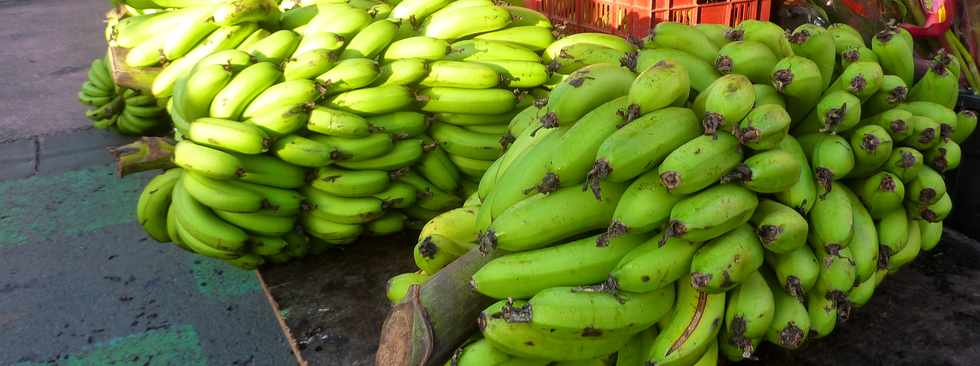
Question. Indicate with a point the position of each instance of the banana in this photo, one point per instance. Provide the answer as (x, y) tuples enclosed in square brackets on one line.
[(700, 162), (824, 311), (420, 47), (767, 94), (269, 171), (398, 286), (701, 73), (259, 223), (854, 54), (602, 39), (229, 135), (339, 123), (711, 213), (377, 9), (692, 329), (523, 178), (653, 265), (231, 13), (862, 79), (371, 40), (523, 226), (256, 36), (532, 37), (893, 91), (416, 10), (796, 271), (830, 156), (764, 127), (437, 168), (469, 119), (308, 65), (927, 187), (595, 311), (404, 153), (457, 225), (894, 52), (341, 19), (815, 43), (400, 125), (872, 145), (453, 24), (222, 195), (459, 74), (279, 121), (329, 231), (583, 91), (154, 202), (895, 121), (275, 201), (931, 233), (113, 107), (925, 133), (458, 141), (905, 162), (682, 37), (374, 100), (291, 93), (232, 100), (749, 314), (206, 161), (945, 117), (201, 223), (837, 111), (298, 244), (966, 122), (864, 241), (301, 151), (222, 39), (518, 74), (579, 55), (726, 261), (572, 165), (350, 183), (935, 212), (275, 48), (473, 168), (93, 101), (349, 74), (430, 197), (880, 193), (779, 228), (343, 210), (790, 322), (91, 90), (495, 129), (845, 36), (945, 156), (319, 41), (634, 352), (644, 207), (390, 223), (474, 101), (749, 58), (357, 148), (911, 250), (800, 81), (397, 195), (196, 245), (488, 50), (432, 253), (498, 325), (716, 33), (837, 274), (893, 232), (267, 246), (771, 171), (768, 33), (402, 72), (659, 86), (726, 102), (523, 17), (831, 220), (232, 60), (862, 293)]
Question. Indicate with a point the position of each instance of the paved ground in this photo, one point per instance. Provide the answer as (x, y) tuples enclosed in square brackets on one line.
[(80, 282)]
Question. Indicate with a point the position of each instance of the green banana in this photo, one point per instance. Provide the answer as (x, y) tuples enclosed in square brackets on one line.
[(341, 19), (523, 177), (222, 39), (397, 195), (837, 111), (541, 220), (634, 352), (459, 141), (430, 197), (474, 101), (532, 37), (945, 117), (657, 87), (711, 213), (767, 94), (939, 85), (925, 133), (335, 122), (881, 193), (927, 187), (357, 148), (458, 23), (432, 253), (796, 271), (645, 206), (799, 80), (935, 212), (401, 72), (398, 286), (830, 156), (908, 253), (764, 127), (231, 59), (579, 55), (894, 121), (862, 293), (752, 59), (343, 210), (771, 171), (872, 145), (583, 91), (473, 168), (437, 168), (824, 311), (374, 100), (716, 33), (701, 73), (404, 153), (699, 163), (862, 79), (232, 100), (780, 228), (893, 92), (571, 166), (319, 41), (748, 315), (349, 74), (329, 231), (222, 195), (854, 54), (256, 36), (235, 12), (814, 42), (790, 322), (725, 103), (837, 274), (893, 233), (470, 119), (905, 162), (945, 156), (416, 10), (390, 223), (864, 241), (201, 223), (259, 223), (371, 40), (229, 135), (210, 162), (275, 201), (696, 321), (270, 171), (601, 39), (350, 183), (421, 47), (831, 220), (802, 195), (400, 125), (275, 48), (653, 265), (966, 122), (594, 311), (460, 74), (682, 37), (894, 49), (931, 233), (726, 261), (845, 36), (154, 202), (519, 74), (488, 50), (301, 151), (291, 93), (768, 33), (196, 245), (523, 16), (489, 129)]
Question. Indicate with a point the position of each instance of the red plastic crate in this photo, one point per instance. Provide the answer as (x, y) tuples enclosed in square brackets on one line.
[(637, 17)]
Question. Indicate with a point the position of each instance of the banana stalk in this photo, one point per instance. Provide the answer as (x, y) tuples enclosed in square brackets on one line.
[(147, 153)]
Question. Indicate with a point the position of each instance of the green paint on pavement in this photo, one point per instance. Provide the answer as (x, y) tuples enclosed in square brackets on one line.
[(221, 280), (75, 202), (178, 345)]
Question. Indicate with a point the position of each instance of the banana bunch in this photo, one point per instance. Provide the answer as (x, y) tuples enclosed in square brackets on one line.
[(128, 111), (686, 201)]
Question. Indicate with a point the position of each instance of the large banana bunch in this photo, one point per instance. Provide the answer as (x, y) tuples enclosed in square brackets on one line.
[(128, 111), (748, 179)]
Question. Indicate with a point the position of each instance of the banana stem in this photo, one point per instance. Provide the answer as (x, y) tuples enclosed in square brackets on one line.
[(433, 320), (966, 61), (147, 153)]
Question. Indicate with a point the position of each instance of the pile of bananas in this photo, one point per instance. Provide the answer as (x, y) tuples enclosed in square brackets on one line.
[(311, 127), (711, 190), (128, 111)]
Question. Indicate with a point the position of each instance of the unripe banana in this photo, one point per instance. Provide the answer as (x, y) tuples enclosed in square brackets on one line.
[(939, 85), (800, 80), (579, 55), (945, 156), (634, 353), (404, 153), (657, 87), (823, 310), (862, 293), (699, 163), (748, 315), (532, 37), (430, 197), (893, 232), (222, 195), (197, 245), (437, 168), (319, 41), (894, 121), (935, 212), (881, 193), (259, 223), (583, 91), (854, 54), (945, 117), (256, 36), (845, 36), (400, 125), (927, 187), (836, 111), (802, 195), (229, 135), (570, 166), (199, 222), (796, 272), (523, 177), (911, 250), (455, 24), (594, 311), (210, 162), (275, 48), (872, 145), (291, 93), (771, 171), (966, 122), (470, 119), (837, 274), (831, 220), (864, 242), (343, 210), (543, 219), (652, 265), (459, 141), (814, 42), (350, 183), (726, 102), (349, 74), (790, 323), (764, 127), (931, 233), (474, 101), (397, 195), (905, 162), (726, 261), (401, 72), (329, 231), (681, 37), (523, 16), (894, 52), (862, 79), (370, 41), (696, 321), (398, 286), (768, 33), (779, 228), (232, 60), (335, 122), (458, 74), (154, 202), (925, 133), (222, 39), (416, 10), (893, 92), (357, 148), (301, 151), (830, 157), (420, 47), (390, 223), (341, 19), (716, 33), (519, 74), (473, 168), (749, 58), (602, 39), (711, 213), (232, 100), (269, 171), (701, 73), (374, 100), (644, 207)]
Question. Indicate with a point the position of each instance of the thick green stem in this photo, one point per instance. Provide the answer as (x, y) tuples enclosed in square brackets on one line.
[(147, 153)]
